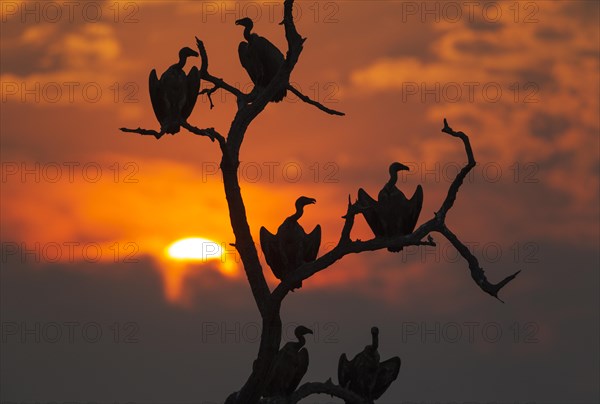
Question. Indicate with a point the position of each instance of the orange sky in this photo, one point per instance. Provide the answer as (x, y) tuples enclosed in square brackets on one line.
[(534, 139)]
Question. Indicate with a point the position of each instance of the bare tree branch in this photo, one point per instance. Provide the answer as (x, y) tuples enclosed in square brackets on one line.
[(317, 104), (269, 309), (219, 83), (211, 133), (345, 247), (453, 189), (329, 388), (141, 131), (348, 223), (477, 272), (209, 92), (437, 224)]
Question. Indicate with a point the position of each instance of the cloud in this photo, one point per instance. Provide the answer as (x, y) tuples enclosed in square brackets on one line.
[(527, 92), (436, 316), (54, 66)]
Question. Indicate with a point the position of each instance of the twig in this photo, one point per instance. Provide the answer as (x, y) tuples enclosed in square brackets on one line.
[(211, 133), (219, 83), (477, 273), (141, 131), (209, 92), (317, 104), (453, 189)]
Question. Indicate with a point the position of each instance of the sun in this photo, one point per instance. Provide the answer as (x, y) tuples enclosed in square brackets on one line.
[(195, 249), (182, 258)]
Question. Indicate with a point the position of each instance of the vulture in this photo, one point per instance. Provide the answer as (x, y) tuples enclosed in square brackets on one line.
[(260, 58), (174, 95), (392, 214), (365, 375), (289, 366), (291, 246)]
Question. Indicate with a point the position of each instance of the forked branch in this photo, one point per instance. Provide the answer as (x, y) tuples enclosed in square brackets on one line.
[(417, 238), (211, 133), (145, 132), (217, 82)]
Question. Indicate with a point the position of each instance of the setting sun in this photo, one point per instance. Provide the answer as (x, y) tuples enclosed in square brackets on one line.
[(194, 248), (186, 256)]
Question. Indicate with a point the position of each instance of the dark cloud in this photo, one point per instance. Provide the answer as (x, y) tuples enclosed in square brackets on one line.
[(552, 34), (155, 353), (165, 353), (584, 11), (26, 60), (479, 47), (563, 160), (542, 80), (484, 26), (590, 53), (547, 126)]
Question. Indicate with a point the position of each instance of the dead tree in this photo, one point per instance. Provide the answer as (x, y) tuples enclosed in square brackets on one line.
[(269, 302)]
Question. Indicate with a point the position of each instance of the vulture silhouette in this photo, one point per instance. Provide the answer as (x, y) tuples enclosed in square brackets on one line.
[(291, 246), (260, 58), (365, 375), (289, 366), (392, 214), (174, 95)]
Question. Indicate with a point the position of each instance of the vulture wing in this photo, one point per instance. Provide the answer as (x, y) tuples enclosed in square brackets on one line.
[(271, 59), (300, 368), (193, 88), (312, 241), (157, 97), (250, 62), (345, 371), (386, 374), (370, 212), (413, 210), (270, 246)]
